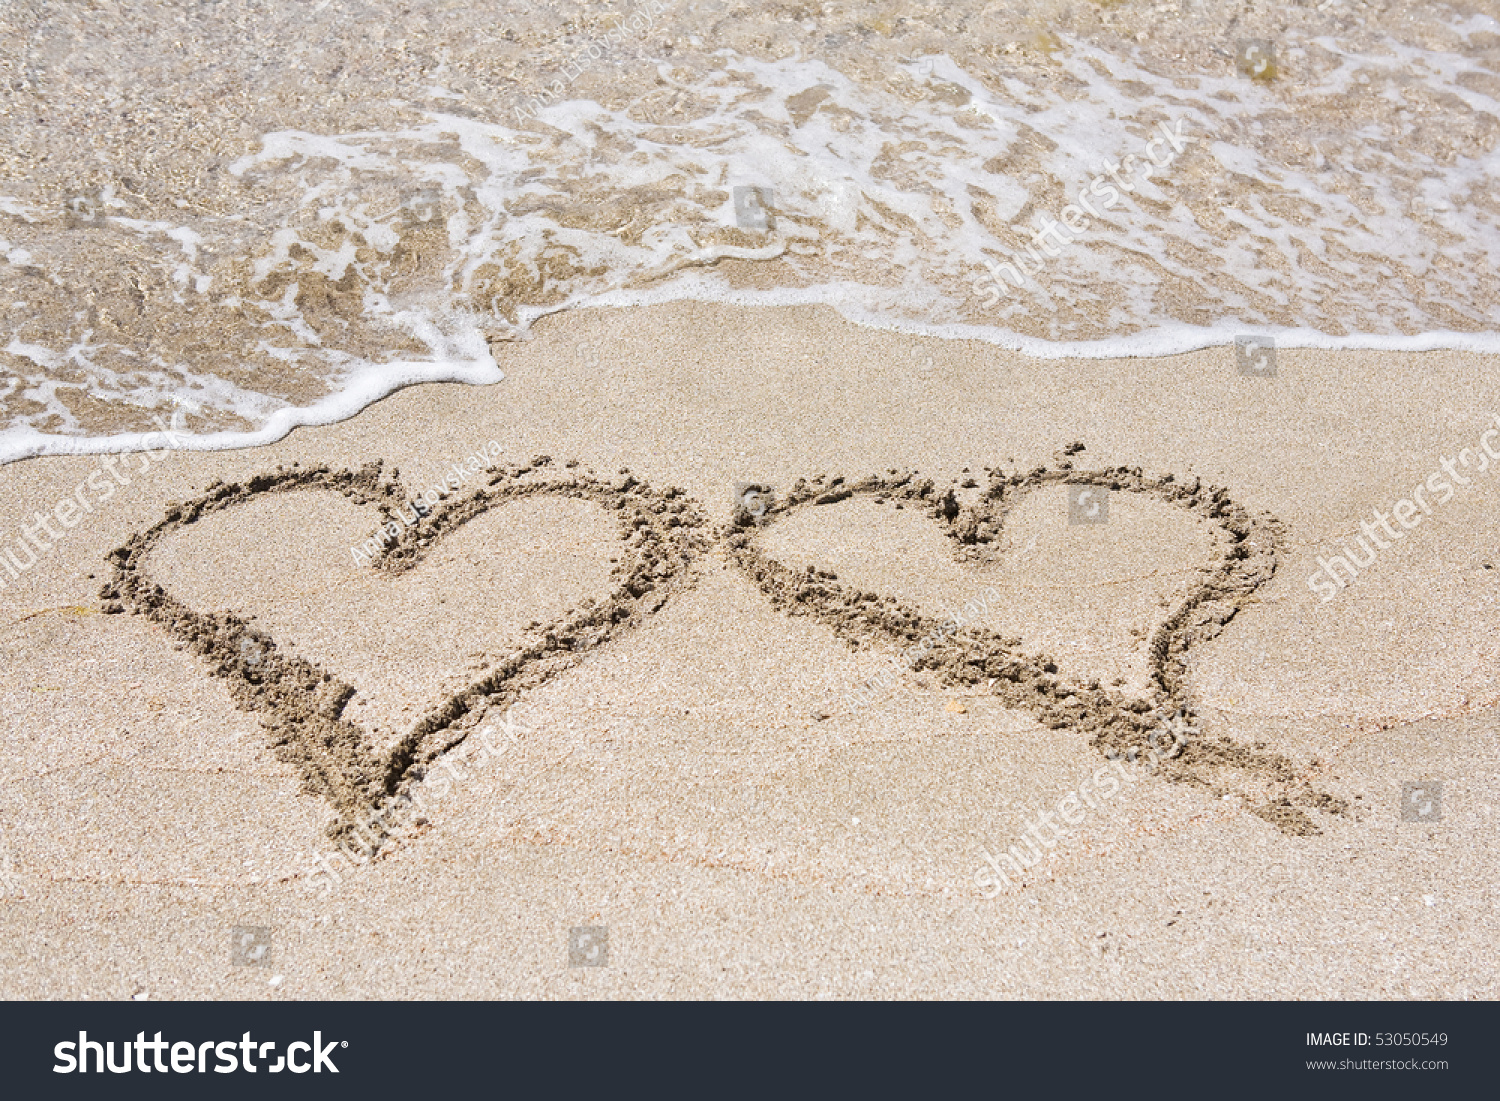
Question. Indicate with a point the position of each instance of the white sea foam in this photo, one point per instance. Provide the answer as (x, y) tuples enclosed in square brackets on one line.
[(363, 390), (1330, 214)]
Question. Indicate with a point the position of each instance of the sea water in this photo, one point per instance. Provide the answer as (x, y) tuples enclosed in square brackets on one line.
[(256, 215)]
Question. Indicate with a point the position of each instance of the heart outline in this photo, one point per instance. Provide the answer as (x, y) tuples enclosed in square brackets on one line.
[(966, 656), (301, 704)]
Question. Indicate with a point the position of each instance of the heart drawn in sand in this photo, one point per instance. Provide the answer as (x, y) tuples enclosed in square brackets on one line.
[(303, 706), (961, 656)]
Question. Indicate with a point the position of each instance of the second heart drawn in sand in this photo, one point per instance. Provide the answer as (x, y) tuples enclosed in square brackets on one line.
[(1120, 723), (305, 707)]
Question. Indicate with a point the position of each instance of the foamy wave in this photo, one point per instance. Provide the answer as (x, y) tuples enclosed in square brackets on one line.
[(1046, 214)]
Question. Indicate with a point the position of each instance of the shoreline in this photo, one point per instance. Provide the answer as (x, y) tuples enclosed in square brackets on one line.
[(375, 385)]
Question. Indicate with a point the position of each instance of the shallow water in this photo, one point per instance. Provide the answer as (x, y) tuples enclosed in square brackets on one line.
[(246, 215)]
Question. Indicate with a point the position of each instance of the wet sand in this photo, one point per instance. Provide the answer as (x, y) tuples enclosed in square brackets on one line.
[(743, 769)]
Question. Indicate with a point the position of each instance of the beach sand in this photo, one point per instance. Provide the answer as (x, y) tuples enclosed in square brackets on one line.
[(709, 783)]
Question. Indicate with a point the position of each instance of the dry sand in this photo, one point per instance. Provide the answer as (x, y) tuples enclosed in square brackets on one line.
[(705, 782)]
